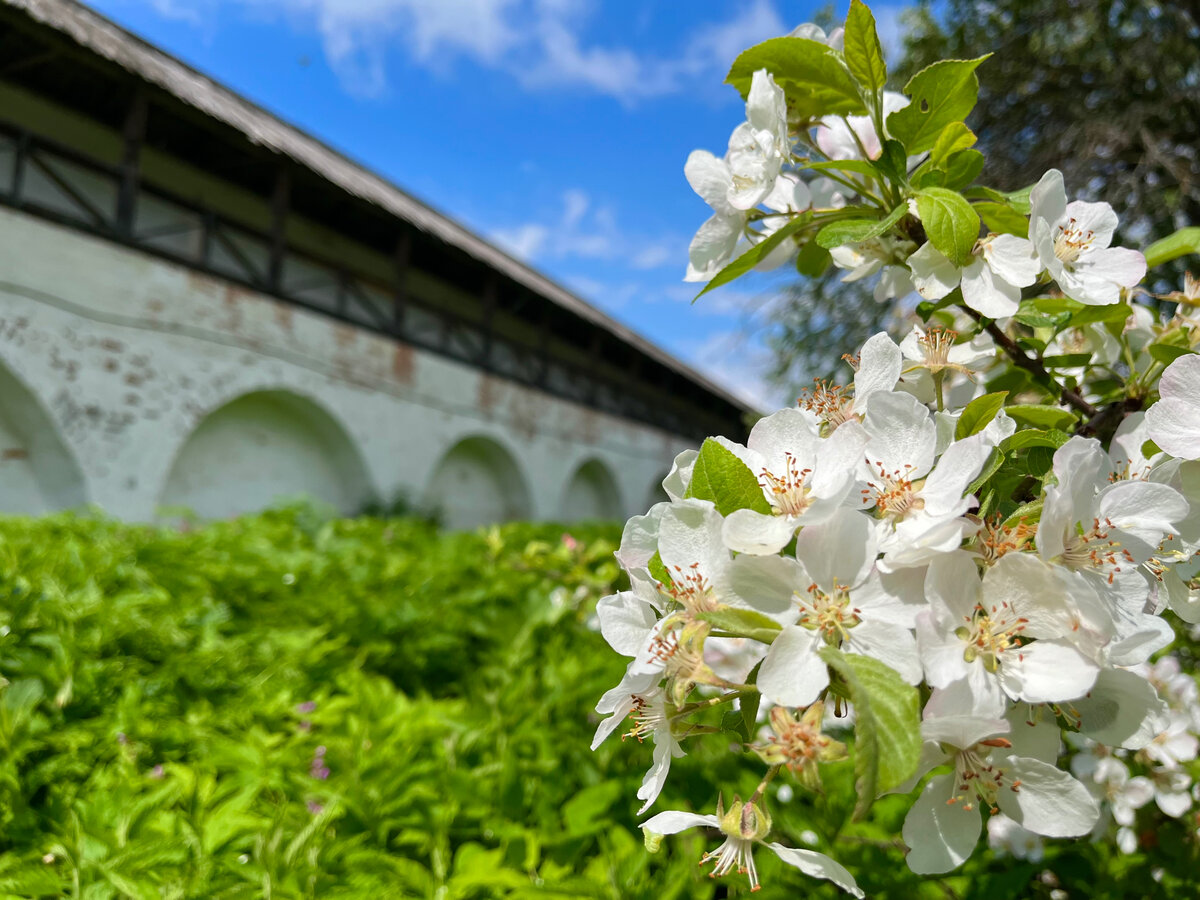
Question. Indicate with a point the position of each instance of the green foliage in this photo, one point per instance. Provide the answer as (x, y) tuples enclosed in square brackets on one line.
[(864, 54), (942, 94), (978, 413), (814, 76), (168, 695), (887, 724), (724, 479), (950, 222)]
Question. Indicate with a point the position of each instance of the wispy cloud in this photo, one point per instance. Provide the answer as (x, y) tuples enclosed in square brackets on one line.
[(583, 230), (541, 44)]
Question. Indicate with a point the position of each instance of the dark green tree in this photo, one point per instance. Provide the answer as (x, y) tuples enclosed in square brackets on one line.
[(1107, 91)]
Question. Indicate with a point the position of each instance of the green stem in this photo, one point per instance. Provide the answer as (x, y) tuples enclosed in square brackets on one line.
[(762, 785)]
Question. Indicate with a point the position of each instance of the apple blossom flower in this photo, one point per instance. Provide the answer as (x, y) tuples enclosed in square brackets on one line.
[(760, 145), (1174, 421), (876, 369), (1006, 836), (943, 825), (917, 497), (805, 478), (1072, 242), (744, 825), (1001, 264), (847, 137), (882, 254), (816, 33), (975, 640), (838, 598)]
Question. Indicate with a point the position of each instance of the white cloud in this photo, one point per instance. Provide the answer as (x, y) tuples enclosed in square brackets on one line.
[(731, 360), (522, 241), (581, 230), (539, 43), (652, 256)]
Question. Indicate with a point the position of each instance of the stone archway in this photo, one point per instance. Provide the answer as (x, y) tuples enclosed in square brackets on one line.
[(38, 473), (476, 483), (261, 448), (591, 493), (655, 493)]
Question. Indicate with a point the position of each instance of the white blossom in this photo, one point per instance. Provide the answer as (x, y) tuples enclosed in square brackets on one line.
[(1174, 421), (1072, 242)]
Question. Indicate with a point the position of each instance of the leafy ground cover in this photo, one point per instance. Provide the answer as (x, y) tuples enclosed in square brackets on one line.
[(288, 706)]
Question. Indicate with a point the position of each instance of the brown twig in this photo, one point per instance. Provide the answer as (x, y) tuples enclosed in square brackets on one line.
[(1030, 364)]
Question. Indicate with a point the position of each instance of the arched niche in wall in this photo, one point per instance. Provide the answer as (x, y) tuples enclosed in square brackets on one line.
[(38, 473), (265, 447), (591, 493), (478, 482), (655, 493)]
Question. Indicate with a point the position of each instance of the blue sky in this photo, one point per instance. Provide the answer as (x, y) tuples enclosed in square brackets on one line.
[(556, 128)]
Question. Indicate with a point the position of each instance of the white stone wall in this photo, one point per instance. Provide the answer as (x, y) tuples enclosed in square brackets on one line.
[(132, 383)]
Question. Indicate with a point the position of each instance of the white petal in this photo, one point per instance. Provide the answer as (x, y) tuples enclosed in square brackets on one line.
[(840, 550), (626, 621), (1121, 710), (747, 531), (710, 178), (963, 731), (1118, 265), (892, 646), (1048, 199), (878, 368), (656, 777), (639, 539), (679, 479), (958, 467), (712, 247), (1175, 426), (1012, 258), (903, 436), (1097, 218), (818, 865), (690, 533), (987, 293), (1049, 802), (674, 821), (837, 459), (932, 273), (792, 674), (941, 835), (765, 583), (1046, 672)]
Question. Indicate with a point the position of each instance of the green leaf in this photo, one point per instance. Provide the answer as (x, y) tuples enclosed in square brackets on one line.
[(978, 413), (1031, 512), (893, 162), (1042, 415), (962, 168), (814, 77), (887, 724), (1112, 312), (861, 47), (724, 479), (1168, 353), (855, 231), (990, 467), (1002, 219), (745, 622), (950, 223), (954, 137), (812, 260), (658, 569), (942, 93), (856, 166), (1173, 246), (748, 703), (1066, 360), (755, 254)]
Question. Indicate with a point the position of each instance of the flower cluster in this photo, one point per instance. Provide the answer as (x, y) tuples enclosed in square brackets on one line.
[(981, 532)]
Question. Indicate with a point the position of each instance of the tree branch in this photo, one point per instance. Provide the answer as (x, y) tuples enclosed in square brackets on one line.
[(1030, 364)]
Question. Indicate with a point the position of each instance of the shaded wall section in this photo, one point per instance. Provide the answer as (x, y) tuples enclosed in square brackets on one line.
[(478, 482), (37, 472), (262, 448)]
